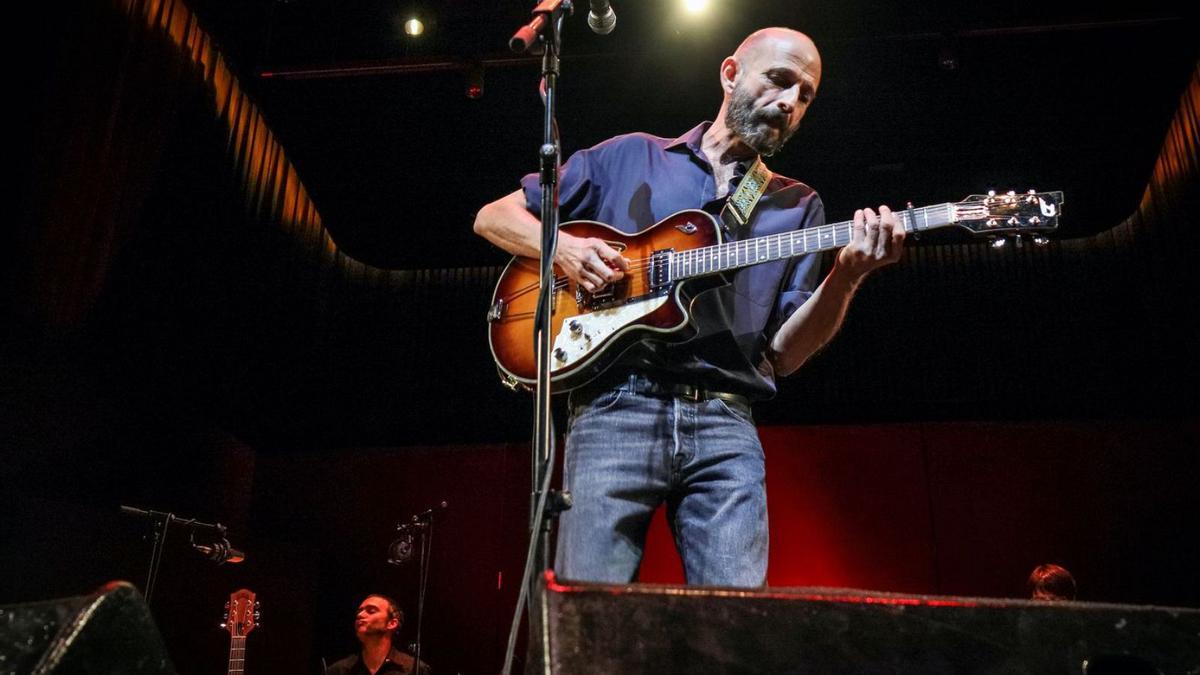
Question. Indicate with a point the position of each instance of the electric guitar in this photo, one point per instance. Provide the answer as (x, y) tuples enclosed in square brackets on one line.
[(241, 617), (673, 261)]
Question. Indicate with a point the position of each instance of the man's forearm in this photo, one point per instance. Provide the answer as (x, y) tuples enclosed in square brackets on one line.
[(507, 224), (814, 323), (588, 261)]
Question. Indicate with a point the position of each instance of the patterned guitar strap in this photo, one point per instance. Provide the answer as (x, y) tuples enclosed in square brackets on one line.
[(736, 212)]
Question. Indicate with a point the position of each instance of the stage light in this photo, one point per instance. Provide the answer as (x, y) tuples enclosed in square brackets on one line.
[(413, 27), (696, 6), (475, 81)]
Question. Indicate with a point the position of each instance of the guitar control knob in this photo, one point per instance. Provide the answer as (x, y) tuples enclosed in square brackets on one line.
[(575, 326), (560, 354)]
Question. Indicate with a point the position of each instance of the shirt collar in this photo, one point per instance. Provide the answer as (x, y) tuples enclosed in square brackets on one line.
[(692, 140), (392, 657)]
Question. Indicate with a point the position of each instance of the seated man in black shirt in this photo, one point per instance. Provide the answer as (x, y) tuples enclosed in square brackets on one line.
[(377, 621)]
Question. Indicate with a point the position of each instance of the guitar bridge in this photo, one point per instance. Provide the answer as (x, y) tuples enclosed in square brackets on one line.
[(611, 294), (494, 312)]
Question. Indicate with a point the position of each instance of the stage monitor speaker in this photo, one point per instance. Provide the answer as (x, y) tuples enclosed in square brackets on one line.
[(109, 632), (659, 629)]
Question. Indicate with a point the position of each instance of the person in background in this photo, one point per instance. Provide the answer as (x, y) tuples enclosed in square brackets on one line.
[(378, 620), (1051, 582)]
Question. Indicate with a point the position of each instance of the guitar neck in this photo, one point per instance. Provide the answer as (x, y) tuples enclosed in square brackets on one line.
[(737, 254), (237, 655)]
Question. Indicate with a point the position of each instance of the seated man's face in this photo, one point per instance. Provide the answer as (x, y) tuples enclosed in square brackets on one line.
[(372, 618)]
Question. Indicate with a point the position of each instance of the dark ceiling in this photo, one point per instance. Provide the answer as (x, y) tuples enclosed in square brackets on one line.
[(398, 159)]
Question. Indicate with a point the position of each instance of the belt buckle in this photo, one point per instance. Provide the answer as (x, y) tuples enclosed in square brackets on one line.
[(693, 394)]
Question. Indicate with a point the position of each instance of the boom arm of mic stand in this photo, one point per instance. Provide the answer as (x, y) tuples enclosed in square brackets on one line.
[(157, 516)]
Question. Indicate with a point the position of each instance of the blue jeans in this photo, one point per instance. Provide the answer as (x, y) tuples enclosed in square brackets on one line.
[(628, 452)]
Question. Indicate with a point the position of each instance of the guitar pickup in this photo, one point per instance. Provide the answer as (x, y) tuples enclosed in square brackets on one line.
[(660, 268)]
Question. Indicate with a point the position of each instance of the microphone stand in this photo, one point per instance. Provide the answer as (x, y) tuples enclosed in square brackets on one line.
[(546, 28), (400, 552), (161, 521), (422, 582)]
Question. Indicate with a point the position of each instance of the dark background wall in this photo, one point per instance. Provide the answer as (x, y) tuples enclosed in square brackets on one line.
[(185, 331)]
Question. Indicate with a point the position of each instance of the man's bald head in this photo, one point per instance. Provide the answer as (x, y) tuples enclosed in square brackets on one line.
[(768, 43), (769, 81)]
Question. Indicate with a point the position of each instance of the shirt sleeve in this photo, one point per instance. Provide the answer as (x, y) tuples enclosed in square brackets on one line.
[(578, 188), (803, 276)]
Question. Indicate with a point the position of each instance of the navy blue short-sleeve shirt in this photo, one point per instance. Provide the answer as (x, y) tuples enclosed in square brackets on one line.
[(631, 182)]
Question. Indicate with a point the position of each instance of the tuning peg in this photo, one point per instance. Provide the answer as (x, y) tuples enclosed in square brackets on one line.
[(998, 243), (224, 625), (1039, 240)]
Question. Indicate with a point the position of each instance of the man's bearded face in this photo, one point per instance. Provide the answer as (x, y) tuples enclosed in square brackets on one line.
[(765, 130)]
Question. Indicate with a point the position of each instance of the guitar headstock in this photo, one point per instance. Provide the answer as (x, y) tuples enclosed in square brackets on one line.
[(241, 613), (1033, 213)]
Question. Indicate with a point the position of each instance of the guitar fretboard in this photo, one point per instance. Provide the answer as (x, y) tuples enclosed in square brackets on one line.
[(237, 655), (736, 254)]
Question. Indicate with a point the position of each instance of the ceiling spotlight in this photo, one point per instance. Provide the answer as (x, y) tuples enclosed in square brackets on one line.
[(695, 6), (413, 27)]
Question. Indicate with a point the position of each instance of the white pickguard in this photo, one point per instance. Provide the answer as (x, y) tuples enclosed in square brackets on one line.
[(595, 328)]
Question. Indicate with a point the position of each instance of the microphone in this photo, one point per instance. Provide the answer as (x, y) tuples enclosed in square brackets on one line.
[(429, 512), (601, 17), (220, 552), (403, 547), (401, 550)]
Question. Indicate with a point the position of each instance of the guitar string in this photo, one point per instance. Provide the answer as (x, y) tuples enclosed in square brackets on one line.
[(707, 253)]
